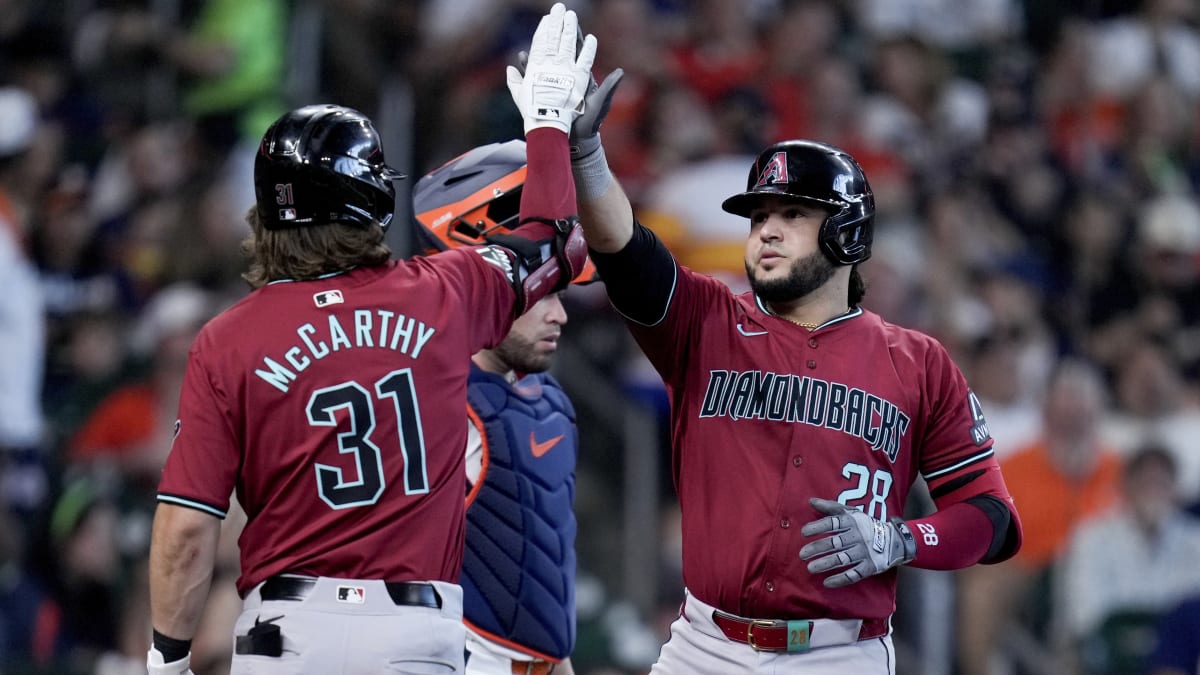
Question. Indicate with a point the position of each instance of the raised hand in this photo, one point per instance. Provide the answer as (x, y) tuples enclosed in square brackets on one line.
[(585, 132), (551, 90)]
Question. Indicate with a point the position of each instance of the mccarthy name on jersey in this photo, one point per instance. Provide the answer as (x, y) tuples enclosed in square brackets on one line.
[(784, 397), (375, 329)]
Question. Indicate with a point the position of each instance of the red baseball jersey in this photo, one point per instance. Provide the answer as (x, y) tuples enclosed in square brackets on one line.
[(334, 408), (766, 414)]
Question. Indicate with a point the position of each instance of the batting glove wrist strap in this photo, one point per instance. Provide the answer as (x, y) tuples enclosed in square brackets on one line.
[(854, 544), (591, 173), (550, 92), (155, 664), (907, 541)]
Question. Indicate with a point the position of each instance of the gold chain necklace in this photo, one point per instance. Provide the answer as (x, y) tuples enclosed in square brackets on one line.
[(805, 324)]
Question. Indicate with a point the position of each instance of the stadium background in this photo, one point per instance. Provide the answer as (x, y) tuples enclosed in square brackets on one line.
[(1035, 165)]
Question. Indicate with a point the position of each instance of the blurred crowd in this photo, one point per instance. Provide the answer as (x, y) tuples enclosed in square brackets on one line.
[(1035, 165)]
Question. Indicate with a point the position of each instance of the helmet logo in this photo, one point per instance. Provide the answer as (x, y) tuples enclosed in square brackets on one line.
[(775, 170), (840, 184)]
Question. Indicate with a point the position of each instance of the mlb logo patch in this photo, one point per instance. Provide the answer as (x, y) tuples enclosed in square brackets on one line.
[(327, 298), (355, 595), (287, 214)]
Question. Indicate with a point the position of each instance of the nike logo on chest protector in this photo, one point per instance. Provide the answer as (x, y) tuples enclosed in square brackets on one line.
[(543, 447)]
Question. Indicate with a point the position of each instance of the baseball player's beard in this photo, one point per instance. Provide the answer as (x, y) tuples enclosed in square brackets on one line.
[(806, 275), (522, 355)]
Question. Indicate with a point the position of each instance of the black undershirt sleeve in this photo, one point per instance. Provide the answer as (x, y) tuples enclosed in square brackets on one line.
[(639, 278)]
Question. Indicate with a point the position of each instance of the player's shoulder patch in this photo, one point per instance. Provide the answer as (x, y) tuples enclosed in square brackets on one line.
[(497, 256), (979, 426)]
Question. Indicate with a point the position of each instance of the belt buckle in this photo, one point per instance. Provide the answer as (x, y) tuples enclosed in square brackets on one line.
[(750, 633)]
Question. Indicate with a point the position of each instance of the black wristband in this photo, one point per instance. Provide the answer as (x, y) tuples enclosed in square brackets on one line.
[(171, 649)]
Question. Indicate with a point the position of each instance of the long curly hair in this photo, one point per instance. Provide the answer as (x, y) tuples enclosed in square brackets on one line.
[(304, 253)]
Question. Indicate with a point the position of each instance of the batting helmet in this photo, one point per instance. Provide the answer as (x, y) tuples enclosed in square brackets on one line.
[(472, 196), (321, 164), (820, 174)]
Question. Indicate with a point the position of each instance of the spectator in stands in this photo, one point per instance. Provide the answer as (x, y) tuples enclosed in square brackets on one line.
[(23, 599), (22, 321), (1056, 482), (721, 50), (1013, 407), (1155, 405), (131, 429), (80, 563), (1123, 569), (231, 60), (1156, 37)]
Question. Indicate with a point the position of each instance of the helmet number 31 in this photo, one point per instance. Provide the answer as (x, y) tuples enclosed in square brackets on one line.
[(283, 194)]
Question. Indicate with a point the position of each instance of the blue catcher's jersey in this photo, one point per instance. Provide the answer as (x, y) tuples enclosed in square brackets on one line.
[(518, 575)]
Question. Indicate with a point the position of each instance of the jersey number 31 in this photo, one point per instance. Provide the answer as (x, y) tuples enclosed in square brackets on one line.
[(359, 404)]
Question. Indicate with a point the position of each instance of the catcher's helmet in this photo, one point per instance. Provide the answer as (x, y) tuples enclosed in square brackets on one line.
[(322, 164), (821, 174), (472, 196)]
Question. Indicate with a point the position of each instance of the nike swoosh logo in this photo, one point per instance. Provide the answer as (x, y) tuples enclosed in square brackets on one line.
[(542, 448), (751, 333)]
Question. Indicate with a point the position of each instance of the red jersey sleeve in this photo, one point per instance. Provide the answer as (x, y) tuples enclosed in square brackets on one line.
[(201, 469), (959, 465), (956, 440)]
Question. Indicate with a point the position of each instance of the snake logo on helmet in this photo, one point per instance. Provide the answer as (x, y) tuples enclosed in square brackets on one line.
[(820, 174), (323, 164), (473, 196)]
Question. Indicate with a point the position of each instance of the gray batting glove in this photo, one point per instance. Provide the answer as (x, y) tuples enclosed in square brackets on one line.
[(585, 132), (856, 543), (550, 91)]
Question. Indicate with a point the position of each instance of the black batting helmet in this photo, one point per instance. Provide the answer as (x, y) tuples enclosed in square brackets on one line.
[(813, 172), (322, 164), (472, 196)]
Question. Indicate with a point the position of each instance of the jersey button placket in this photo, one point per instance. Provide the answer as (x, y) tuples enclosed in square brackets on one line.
[(785, 523), (797, 461), (770, 586)]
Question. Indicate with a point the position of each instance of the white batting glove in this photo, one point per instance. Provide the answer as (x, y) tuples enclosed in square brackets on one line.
[(155, 665), (550, 93), (855, 541), (585, 131)]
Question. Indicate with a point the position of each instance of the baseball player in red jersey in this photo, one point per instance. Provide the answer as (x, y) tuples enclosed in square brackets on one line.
[(799, 421), (324, 399)]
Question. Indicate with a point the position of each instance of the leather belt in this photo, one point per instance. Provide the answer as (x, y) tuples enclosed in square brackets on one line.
[(409, 593), (532, 668), (779, 635)]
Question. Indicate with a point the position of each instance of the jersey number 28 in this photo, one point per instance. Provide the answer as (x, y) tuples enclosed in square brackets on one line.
[(334, 488), (877, 483)]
